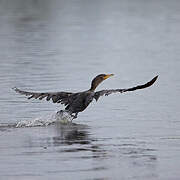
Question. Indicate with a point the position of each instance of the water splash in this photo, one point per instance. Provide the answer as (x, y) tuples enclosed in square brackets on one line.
[(61, 116)]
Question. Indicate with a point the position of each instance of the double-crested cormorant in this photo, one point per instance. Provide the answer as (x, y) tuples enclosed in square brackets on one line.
[(78, 102)]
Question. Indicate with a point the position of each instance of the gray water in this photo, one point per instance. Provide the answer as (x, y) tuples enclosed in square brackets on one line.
[(60, 46)]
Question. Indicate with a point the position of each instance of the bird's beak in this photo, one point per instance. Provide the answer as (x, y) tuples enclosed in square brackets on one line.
[(108, 75)]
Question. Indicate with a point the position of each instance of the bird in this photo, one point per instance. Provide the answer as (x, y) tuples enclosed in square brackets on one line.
[(78, 101)]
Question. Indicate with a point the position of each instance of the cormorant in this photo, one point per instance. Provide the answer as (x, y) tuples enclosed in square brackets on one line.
[(78, 102)]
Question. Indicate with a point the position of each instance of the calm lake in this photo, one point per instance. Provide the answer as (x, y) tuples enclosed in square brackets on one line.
[(62, 45)]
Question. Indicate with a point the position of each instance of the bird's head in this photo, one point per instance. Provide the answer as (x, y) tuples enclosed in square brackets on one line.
[(98, 79)]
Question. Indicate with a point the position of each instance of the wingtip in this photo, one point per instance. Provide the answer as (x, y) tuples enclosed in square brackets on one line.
[(156, 77)]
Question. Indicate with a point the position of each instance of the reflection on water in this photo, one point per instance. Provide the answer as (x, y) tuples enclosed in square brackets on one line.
[(71, 133), (75, 134)]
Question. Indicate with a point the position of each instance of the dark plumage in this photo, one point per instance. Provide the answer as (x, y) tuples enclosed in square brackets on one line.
[(78, 102)]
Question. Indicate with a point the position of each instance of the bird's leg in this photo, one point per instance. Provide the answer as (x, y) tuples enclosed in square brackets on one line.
[(74, 116)]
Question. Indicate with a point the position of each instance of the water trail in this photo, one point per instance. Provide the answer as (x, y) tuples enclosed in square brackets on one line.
[(62, 117)]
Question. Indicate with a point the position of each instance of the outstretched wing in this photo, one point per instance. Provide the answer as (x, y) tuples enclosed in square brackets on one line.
[(110, 91), (56, 97)]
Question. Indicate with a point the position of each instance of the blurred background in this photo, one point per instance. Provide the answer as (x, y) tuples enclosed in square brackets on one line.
[(61, 45)]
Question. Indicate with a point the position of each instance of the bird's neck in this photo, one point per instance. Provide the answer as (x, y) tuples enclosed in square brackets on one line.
[(93, 86), (95, 82), (92, 89)]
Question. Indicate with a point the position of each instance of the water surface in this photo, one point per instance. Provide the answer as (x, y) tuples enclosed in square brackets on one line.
[(61, 45)]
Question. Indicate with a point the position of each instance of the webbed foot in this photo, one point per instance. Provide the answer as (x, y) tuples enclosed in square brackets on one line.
[(74, 116)]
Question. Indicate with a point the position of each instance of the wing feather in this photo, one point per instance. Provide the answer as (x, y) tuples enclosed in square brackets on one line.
[(56, 97), (110, 91)]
